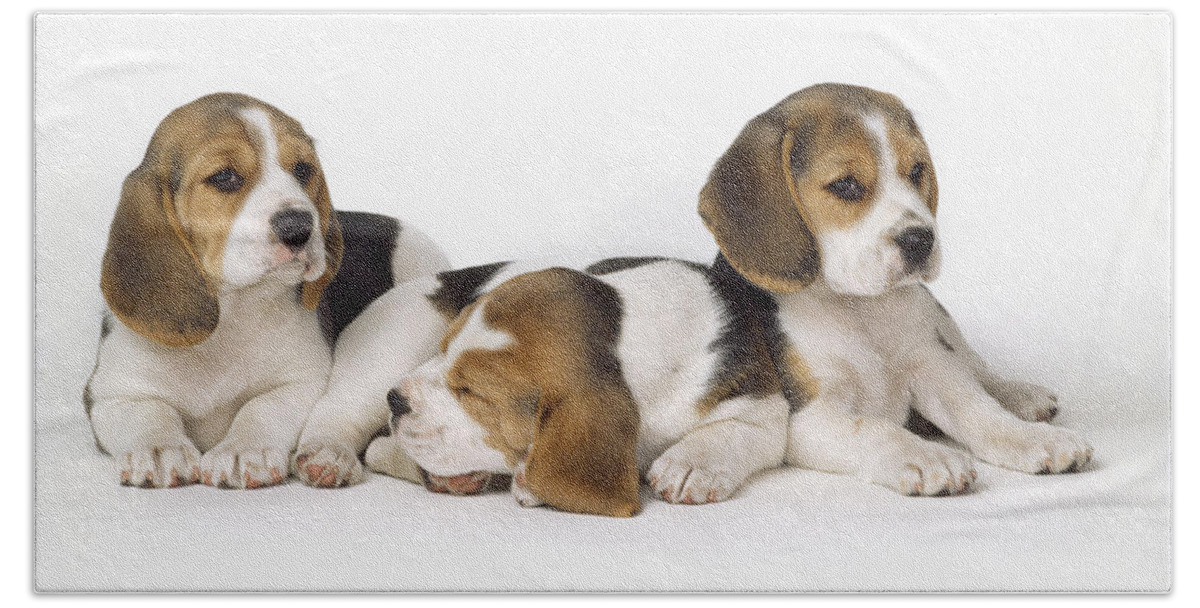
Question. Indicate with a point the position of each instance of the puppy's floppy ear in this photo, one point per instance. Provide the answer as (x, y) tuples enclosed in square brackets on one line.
[(583, 455), (751, 207), (150, 277), (310, 293)]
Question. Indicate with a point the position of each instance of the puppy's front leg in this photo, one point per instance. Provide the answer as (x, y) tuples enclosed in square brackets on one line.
[(1028, 401), (827, 434), (739, 438), (392, 336), (948, 394), (878, 451), (148, 440), (254, 453)]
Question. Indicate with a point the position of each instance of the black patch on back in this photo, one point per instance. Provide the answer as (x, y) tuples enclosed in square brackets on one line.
[(758, 309), (746, 356), (369, 240), (602, 330), (461, 287), (611, 265)]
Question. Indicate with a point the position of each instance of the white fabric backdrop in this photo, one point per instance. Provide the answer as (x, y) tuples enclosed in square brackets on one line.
[(519, 135)]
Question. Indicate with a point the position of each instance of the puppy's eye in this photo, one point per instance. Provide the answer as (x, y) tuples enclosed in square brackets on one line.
[(917, 174), (226, 180), (461, 391), (848, 189), (303, 172)]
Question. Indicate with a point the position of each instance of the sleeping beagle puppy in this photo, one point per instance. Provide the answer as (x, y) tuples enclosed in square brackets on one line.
[(827, 203), (574, 381), (577, 383), (224, 242)]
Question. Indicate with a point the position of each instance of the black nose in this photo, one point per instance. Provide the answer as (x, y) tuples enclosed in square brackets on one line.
[(398, 403), (915, 244), (293, 227)]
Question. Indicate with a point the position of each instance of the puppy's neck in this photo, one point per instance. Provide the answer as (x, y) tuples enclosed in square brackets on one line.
[(820, 290), (262, 302)]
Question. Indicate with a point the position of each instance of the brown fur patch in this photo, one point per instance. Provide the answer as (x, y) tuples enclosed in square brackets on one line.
[(835, 154), (756, 381), (162, 268), (556, 398), (799, 376), (909, 148), (749, 208)]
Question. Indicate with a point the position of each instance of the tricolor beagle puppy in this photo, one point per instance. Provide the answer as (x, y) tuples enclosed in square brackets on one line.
[(827, 202), (222, 246), (577, 382)]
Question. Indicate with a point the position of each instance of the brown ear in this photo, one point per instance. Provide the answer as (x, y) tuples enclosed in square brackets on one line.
[(583, 456), (151, 278), (751, 207), (310, 293)]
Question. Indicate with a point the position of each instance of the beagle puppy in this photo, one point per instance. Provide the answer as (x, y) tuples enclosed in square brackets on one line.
[(827, 203), (574, 381), (224, 242), (577, 383)]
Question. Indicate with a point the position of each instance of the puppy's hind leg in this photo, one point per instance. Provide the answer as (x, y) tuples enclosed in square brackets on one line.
[(741, 436)]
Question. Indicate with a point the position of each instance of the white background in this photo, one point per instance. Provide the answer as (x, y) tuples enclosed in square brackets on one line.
[(530, 135)]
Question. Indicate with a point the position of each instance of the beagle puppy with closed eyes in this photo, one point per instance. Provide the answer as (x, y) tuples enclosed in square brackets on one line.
[(222, 246), (827, 203), (578, 383)]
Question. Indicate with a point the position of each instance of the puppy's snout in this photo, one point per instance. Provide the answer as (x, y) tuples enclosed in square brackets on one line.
[(915, 245), (293, 227), (398, 403)]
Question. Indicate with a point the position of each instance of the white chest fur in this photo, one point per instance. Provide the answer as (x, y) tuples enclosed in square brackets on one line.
[(862, 348), (264, 340)]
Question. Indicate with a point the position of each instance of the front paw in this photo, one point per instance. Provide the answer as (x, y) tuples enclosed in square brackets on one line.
[(924, 468), (327, 465), (1034, 447), (680, 481), (243, 468), (160, 467), (1029, 402)]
